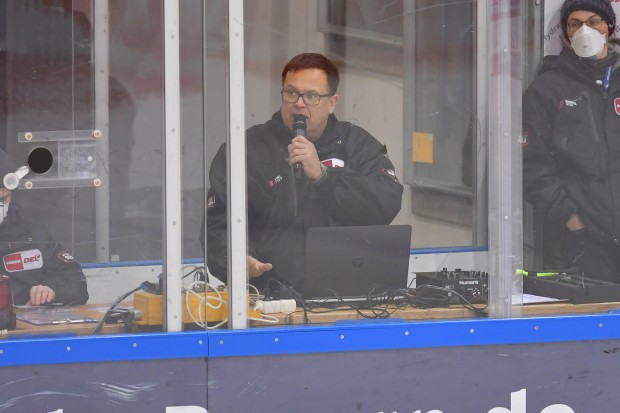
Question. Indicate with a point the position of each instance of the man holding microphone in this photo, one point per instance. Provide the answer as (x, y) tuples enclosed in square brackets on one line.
[(322, 173)]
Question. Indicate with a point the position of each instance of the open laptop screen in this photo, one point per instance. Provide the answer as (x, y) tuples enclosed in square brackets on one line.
[(349, 261)]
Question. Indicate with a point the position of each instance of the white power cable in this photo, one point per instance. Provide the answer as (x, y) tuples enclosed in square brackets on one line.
[(207, 301)]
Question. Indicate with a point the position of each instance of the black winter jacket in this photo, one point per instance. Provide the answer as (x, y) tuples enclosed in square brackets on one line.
[(281, 208), (571, 145), (30, 256)]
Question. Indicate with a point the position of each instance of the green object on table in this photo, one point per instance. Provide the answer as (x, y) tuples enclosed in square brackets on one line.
[(535, 274)]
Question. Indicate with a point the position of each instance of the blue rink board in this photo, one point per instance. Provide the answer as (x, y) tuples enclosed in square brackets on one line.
[(338, 337)]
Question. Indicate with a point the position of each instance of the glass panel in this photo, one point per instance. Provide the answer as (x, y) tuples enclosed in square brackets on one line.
[(213, 311), (412, 103), (440, 79), (405, 83), (569, 126), (83, 98)]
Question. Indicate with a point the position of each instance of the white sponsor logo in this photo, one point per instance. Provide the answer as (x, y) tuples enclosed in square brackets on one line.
[(23, 260), (517, 405), (171, 409)]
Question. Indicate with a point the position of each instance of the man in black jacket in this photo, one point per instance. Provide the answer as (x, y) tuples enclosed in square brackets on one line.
[(344, 177), (40, 269), (571, 146)]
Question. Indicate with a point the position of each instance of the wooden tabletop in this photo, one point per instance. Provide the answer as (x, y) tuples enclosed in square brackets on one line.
[(62, 326), (315, 316), (327, 316)]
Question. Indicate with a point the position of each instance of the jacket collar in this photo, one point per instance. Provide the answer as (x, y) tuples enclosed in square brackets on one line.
[(571, 61), (332, 131)]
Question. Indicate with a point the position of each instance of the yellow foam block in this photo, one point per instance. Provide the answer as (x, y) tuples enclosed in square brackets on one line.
[(151, 306), (422, 147)]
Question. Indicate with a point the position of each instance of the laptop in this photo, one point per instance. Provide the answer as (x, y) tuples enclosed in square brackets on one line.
[(348, 262)]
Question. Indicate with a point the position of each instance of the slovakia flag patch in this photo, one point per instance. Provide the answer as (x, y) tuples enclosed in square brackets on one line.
[(333, 163)]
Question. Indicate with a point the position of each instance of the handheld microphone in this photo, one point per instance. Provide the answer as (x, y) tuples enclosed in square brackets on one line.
[(299, 129)]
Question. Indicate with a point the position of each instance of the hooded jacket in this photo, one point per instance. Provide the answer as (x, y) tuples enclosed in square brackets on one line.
[(30, 256), (359, 188), (571, 144)]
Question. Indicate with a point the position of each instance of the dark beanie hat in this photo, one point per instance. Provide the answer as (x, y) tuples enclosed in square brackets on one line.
[(601, 7), (6, 166)]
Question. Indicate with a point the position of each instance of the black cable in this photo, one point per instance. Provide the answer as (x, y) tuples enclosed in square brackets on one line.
[(113, 306), (428, 301), (377, 301), (200, 272), (124, 315), (298, 299), (463, 301)]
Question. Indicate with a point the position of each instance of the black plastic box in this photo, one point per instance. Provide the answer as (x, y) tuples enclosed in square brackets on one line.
[(574, 288), (457, 286)]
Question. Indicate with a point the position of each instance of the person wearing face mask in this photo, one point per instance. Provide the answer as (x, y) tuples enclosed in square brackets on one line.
[(571, 144), (305, 168), (41, 271)]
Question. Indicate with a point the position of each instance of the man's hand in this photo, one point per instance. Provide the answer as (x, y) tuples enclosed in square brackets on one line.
[(575, 223), (257, 268), (41, 294), (303, 151)]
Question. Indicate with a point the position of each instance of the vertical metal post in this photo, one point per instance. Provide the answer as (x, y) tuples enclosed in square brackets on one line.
[(102, 123), (504, 124), (237, 222), (409, 80), (173, 264), (482, 137)]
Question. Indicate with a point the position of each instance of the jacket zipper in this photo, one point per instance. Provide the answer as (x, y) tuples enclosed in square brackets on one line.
[(597, 139), (586, 95), (293, 185)]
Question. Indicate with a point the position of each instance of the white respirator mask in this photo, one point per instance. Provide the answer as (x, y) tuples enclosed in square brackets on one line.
[(588, 42)]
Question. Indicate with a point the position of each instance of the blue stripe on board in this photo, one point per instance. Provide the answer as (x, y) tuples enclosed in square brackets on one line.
[(342, 336)]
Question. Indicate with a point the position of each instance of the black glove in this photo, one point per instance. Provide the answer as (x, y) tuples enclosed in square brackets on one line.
[(575, 245), (594, 259)]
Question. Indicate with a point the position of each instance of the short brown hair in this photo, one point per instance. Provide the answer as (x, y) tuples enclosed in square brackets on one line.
[(314, 61)]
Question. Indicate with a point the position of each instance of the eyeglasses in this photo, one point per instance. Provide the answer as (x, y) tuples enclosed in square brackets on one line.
[(310, 99), (593, 23)]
